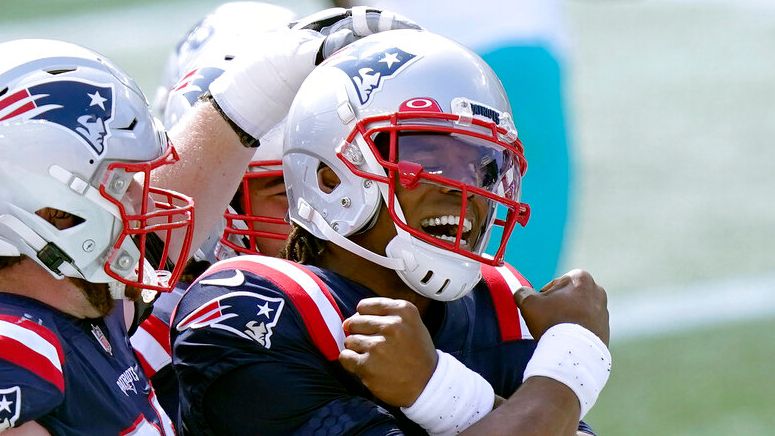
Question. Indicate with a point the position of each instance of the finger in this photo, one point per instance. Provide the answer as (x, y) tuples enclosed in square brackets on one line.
[(522, 294), (558, 283), (367, 324), (352, 361), (334, 42), (359, 23), (362, 344), (383, 306)]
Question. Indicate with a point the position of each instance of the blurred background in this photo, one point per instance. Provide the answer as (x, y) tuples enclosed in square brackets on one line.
[(649, 127)]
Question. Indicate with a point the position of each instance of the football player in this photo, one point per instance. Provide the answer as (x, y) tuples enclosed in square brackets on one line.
[(78, 217), (398, 152), (255, 222), (87, 196)]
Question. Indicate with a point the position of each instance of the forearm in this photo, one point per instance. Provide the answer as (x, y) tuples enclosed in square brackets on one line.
[(540, 406), (212, 161)]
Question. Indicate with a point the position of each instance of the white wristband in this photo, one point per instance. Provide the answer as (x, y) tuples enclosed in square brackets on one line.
[(257, 90), (454, 398), (575, 357)]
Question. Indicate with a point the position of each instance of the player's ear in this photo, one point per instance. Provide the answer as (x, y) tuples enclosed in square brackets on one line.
[(327, 179)]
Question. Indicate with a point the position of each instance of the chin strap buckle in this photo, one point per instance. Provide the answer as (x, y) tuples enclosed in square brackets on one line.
[(53, 256)]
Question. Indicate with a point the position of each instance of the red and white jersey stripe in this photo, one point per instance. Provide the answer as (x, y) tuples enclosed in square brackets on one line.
[(503, 282), (31, 346), (310, 296), (151, 343)]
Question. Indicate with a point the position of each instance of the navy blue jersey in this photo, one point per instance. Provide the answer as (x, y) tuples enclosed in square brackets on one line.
[(256, 340), (73, 376)]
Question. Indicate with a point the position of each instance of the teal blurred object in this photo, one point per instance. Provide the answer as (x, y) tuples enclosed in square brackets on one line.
[(532, 76)]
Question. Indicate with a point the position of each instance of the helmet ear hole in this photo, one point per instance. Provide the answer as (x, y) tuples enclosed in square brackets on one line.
[(59, 218), (327, 179)]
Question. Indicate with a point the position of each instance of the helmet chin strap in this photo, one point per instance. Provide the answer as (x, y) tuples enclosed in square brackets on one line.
[(37, 245), (308, 213)]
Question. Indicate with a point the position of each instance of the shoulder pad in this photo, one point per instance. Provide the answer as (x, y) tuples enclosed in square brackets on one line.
[(303, 289)]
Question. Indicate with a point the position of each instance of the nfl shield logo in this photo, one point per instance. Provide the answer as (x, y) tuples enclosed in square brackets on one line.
[(10, 407), (101, 339)]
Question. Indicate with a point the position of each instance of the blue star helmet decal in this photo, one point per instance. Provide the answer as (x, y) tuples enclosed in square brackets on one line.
[(369, 73), (245, 314), (195, 83), (84, 108)]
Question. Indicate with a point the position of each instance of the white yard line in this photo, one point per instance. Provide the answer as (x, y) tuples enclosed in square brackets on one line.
[(663, 311)]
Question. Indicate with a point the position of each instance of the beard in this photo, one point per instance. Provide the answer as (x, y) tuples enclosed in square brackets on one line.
[(99, 297)]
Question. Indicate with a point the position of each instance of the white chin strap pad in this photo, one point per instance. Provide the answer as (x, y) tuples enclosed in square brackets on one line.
[(433, 272)]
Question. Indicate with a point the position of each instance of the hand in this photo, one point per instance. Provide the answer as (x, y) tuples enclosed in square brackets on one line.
[(343, 26), (389, 349), (573, 298), (257, 90)]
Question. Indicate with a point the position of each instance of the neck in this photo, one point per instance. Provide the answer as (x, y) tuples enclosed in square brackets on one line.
[(382, 281), (29, 279)]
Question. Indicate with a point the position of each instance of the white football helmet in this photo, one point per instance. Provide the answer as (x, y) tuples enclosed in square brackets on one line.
[(389, 113), (203, 54), (207, 50), (76, 135)]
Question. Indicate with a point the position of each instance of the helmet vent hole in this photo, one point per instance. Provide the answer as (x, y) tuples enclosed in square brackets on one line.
[(131, 125), (57, 71), (444, 286), (3, 91), (427, 278), (228, 57), (59, 218)]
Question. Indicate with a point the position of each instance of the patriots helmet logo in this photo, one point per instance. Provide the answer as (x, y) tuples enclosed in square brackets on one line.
[(10, 407), (369, 72), (84, 108), (245, 314), (195, 82)]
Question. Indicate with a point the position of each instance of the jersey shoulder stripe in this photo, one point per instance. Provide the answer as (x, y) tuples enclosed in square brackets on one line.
[(307, 292), (33, 347), (151, 343), (502, 282)]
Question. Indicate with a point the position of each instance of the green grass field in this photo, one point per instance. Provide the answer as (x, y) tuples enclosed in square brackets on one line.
[(672, 105), (711, 382)]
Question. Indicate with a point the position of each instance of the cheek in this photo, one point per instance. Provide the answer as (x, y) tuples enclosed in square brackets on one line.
[(274, 206), (411, 199)]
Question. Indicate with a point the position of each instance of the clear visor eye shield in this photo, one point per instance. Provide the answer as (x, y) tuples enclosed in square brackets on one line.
[(477, 167)]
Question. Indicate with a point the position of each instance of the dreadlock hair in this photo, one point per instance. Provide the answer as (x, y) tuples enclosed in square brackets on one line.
[(302, 247)]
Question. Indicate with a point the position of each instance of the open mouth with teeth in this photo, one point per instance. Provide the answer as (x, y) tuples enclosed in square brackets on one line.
[(445, 227)]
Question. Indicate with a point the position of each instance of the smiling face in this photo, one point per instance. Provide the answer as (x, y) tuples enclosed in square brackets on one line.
[(440, 185), (438, 211)]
